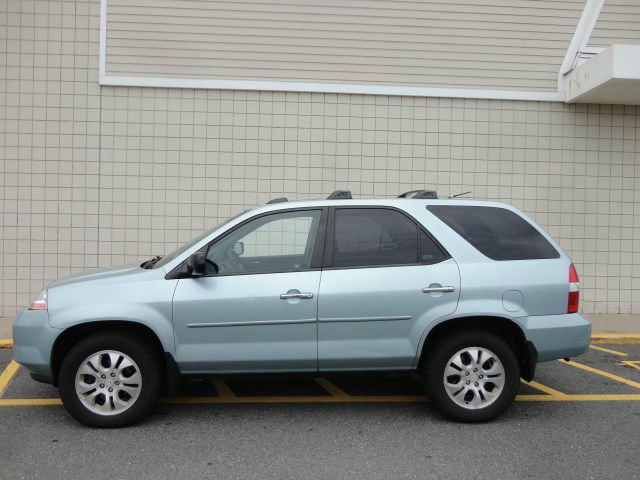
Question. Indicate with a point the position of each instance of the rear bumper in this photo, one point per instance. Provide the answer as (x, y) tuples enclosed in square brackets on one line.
[(557, 336), (33, 339)]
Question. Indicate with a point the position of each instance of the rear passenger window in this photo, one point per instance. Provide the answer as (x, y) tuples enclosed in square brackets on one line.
[(429, 251), (375, 237), (498, 233)]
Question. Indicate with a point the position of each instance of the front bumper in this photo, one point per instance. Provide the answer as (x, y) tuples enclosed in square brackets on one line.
[(557, 336), (33, 339)]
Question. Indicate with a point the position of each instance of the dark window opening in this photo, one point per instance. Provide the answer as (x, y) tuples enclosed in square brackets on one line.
[(375, 237), (496, 232), (429, 251)]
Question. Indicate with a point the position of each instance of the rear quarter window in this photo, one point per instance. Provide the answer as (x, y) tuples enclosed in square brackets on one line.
[(496, 232)]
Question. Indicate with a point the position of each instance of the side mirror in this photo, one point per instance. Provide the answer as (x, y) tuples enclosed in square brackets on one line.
[(238, 248), (197, 263)]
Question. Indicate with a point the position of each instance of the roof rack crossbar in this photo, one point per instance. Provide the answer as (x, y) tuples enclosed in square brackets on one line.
[(420, 194), (278, 200), (340, 195)]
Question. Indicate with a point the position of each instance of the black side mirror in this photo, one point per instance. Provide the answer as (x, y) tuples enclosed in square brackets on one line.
[(197, 263)]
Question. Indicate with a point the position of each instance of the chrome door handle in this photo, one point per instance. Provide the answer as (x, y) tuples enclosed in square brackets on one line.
[(438, 289), (305, 295)]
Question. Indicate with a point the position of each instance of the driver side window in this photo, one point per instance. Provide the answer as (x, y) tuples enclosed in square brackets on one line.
[(280, 242)]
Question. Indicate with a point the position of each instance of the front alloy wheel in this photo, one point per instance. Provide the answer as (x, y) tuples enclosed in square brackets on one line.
[(108, 382), (111, 379)]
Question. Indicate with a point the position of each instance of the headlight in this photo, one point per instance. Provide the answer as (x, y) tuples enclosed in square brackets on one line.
[(40, 302)]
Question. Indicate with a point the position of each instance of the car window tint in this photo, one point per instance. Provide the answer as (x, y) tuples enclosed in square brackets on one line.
[(373, 237), (498, 233), (280, 242), (429, 250)]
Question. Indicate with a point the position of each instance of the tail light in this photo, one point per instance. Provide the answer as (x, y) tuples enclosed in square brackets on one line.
[(574, 290)]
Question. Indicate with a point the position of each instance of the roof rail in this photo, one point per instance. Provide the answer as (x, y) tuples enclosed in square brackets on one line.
[(420, 194), (278, 200), (340, 195)]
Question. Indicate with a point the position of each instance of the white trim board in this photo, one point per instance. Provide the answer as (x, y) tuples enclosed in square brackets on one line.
[(261, 85), (580, 38), (103, 41), (331, 88)]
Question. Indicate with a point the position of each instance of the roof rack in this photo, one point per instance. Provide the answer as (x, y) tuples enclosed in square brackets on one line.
[(420, 194), (340, 195), (278, 200)]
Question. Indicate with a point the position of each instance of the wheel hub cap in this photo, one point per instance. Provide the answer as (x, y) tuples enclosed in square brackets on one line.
[(108, 382), (474, 378)]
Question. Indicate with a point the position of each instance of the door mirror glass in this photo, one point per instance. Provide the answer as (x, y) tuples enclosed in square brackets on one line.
[(197, 264), (238, 248)]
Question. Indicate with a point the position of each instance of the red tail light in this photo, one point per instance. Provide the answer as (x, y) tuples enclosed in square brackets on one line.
[(574, 290)]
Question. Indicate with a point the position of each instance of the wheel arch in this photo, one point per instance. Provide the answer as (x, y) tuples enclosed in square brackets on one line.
[(75, 333), (506, 328)]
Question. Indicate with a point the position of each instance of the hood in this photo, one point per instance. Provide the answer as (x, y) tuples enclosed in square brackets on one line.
[(98, 274)]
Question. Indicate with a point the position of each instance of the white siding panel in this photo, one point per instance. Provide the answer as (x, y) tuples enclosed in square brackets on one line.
[(492, 44), (619, 22)]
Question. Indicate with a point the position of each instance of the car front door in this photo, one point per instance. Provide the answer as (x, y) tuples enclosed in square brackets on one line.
[(385, 279), (258, 312)]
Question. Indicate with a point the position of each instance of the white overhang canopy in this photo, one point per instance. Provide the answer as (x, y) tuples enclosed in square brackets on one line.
[(611, 76)]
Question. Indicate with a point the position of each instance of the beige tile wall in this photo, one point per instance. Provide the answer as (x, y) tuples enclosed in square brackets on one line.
[(96, 176)]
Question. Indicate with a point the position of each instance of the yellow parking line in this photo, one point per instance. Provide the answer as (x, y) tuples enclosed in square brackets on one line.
[(599, 397), (26, 402), (608, 350), (603, 373), (301, 399), (543, 388), (223, 389), (633, 364), (615, 338), (6, 343), (29, 402), (7, 375), (330, 387)]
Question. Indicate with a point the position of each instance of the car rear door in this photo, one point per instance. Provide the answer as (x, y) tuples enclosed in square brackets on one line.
[(384, 279)]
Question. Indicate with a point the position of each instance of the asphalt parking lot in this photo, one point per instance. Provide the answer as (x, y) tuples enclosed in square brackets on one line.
[(577, 420)]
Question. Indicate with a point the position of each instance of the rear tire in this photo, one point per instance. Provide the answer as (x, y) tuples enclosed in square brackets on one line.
[(110, 379), (471, 375)]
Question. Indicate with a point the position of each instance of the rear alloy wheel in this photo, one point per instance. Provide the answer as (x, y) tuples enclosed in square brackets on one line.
[(110, 379), (474, 378), (471, 376)]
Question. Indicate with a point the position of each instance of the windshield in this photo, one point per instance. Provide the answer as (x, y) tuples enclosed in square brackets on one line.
[(183, 248)]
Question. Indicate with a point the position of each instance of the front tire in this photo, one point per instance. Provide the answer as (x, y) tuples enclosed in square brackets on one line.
[(471, 376), (110, 379)]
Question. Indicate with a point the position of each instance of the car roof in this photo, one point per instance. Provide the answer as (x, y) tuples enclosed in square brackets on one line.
[(393, 202)]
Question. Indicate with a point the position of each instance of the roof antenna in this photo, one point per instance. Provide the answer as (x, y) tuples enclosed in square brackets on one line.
[(459, 194)]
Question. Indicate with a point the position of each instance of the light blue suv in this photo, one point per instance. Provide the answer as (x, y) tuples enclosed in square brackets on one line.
[(469, 294)]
